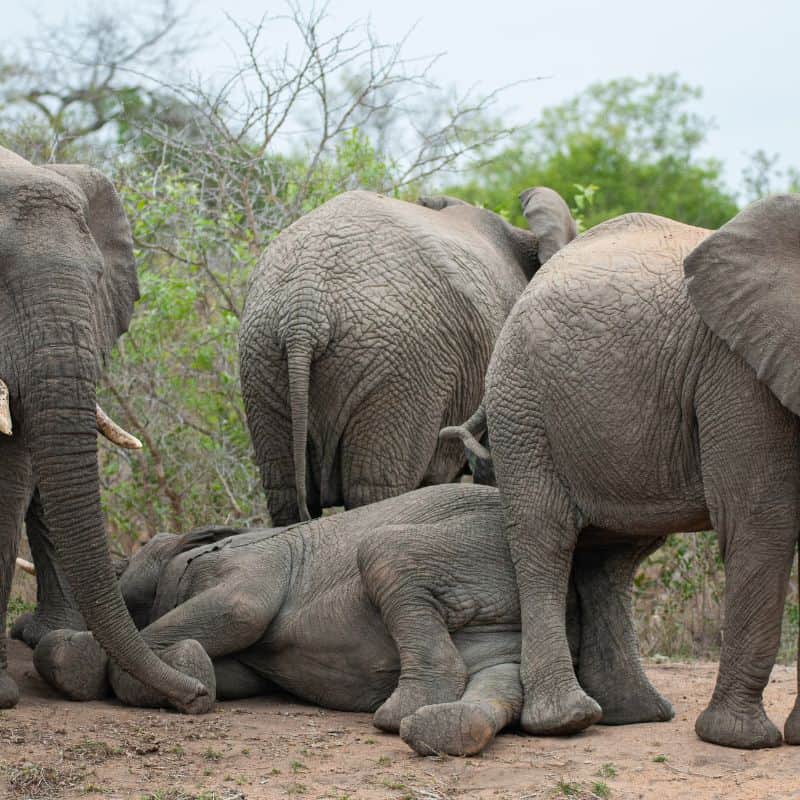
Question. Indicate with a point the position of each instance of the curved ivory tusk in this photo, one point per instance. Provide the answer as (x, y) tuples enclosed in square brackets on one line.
[(26, 566), (5, 410), (114, 433)]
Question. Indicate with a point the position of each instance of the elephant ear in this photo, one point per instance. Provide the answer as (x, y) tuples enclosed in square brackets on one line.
[(439, 201), (744, 281), (549, 218), (118, 286)]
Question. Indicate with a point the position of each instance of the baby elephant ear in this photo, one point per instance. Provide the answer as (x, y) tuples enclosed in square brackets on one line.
[(744, 281), (549, 219), (118, 288)]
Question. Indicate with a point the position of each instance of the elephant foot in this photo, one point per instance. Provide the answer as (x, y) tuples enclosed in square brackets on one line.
[(73, 663), (791, 730), (456, 729), (9, 693), (186, 656), (749, 730), (412, 694), (640, 704), (32, 627), (559, 714)]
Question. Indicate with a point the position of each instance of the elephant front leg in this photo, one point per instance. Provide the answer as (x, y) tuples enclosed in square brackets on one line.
[(756, 580), (15, 494), (55, 605), (609, 668)]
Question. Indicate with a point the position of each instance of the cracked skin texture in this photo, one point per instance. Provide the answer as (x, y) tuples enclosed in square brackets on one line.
[(612, 406), (396, 307)]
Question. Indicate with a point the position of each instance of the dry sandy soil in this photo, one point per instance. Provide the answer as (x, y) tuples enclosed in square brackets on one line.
[(277, 748)]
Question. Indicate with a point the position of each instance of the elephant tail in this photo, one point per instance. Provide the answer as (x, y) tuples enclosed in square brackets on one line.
[(299, 370), (469, 433)]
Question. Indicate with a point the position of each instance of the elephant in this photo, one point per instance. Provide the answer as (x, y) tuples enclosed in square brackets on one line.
[(406, 607), (368, 324), (68, 288), (646, 382)]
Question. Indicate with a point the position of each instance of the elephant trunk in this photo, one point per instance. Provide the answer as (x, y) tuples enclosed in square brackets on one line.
[(58, 404)]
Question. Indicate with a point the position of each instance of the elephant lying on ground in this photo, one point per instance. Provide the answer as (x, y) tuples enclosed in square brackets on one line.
[(368, 326), (647, 381), (411, 599), (67, 289)]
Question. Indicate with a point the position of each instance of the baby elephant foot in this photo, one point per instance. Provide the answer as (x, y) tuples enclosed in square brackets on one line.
[(456, 729), (644, 706), (9, 693), (559, 713), (186, 656), (749, 730), (412, 694), (32, 627), (73, 663), (791, 730)]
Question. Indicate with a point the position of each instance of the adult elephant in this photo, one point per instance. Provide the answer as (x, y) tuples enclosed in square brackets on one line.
[(368, 326), (647, 381), (68, 287)]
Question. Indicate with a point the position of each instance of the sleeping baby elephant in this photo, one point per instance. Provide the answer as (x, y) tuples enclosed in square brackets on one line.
[(407, 606)]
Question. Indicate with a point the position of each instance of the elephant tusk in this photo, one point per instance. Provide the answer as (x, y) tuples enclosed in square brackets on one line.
[(26, 566), (114, 433), (5, 410)]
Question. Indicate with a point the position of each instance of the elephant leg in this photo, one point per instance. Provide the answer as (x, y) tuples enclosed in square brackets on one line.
[(399, 575), (210, 625), (15, 494), (752, 488), (491, 701), (609, 668), (542, 526), (236, 681), (55, 604)]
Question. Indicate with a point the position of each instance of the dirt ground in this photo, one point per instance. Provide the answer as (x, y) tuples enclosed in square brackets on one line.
[(277, 748)]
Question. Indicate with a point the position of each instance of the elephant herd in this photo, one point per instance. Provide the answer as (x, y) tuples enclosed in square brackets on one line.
[(639, 379)]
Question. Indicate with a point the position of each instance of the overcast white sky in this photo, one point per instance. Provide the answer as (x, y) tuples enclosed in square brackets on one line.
[(745, 55)]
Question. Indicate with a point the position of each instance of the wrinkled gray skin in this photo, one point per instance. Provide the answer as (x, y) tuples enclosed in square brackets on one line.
[(368, 326), (67, 288), (323, 609), (647, 381)]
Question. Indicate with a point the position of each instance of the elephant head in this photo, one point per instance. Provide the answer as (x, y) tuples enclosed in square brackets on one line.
[(549, 218), (744, 281), (68, 287), (139, 575)]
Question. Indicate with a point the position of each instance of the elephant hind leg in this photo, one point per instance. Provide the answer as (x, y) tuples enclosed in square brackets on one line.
[(609, 666), (492, 700), (399, 575)]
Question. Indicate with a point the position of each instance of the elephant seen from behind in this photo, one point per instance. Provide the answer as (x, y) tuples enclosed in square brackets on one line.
[(368, 326), (646, 382)]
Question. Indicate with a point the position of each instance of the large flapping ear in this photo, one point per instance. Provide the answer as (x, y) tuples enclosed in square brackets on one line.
[(202, 536), (744, 281), (118, 287), (549, 219)]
